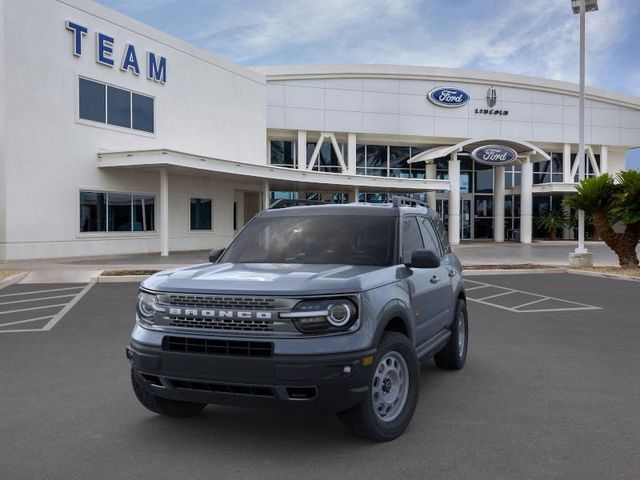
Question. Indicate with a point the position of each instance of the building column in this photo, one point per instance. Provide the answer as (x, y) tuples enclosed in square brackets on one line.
[(266, 195), (566, 164), (431, 173), (301, 152), (164, 212), (498, 204), (604, 159), (454, 199), (356, 194), (526, 202), (352, 153), (567, 231)]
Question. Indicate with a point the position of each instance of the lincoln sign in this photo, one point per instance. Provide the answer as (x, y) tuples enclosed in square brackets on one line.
[(494, 155)]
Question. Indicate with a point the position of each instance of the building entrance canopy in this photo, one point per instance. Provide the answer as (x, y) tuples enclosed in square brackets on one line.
[(523, 149)]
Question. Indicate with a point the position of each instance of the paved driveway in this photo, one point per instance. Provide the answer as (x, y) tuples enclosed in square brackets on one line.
[(544, 395)]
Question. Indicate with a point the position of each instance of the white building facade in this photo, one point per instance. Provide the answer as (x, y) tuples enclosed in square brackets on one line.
[(117, 138)]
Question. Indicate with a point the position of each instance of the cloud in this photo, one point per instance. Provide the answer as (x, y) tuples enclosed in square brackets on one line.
[(533, 37)]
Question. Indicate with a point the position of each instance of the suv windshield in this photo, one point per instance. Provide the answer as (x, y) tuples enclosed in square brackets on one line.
[(337, 239)]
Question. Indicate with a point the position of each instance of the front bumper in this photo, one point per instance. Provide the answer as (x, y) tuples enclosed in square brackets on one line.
[(320, 383)]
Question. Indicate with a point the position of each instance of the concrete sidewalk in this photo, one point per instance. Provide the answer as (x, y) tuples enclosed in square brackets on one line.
[(83, 269)]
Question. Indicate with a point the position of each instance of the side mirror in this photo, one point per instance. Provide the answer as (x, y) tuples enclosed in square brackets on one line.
[(424, 259), (215, 254)]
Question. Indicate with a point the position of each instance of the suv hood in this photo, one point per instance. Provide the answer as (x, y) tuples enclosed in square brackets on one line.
[(271, 279)]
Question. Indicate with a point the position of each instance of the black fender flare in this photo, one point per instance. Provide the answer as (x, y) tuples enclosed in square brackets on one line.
[(394, 309)]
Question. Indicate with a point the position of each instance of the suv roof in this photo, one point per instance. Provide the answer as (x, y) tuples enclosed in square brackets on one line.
[(381, 209)]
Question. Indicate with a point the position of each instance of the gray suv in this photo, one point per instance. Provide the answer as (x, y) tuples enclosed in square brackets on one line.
[(325, 308)]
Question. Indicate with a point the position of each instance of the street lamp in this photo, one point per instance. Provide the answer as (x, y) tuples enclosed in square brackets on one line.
[(580, 7)]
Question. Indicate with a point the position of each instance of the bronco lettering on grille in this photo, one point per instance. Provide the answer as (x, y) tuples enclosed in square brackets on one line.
[(211, 313)]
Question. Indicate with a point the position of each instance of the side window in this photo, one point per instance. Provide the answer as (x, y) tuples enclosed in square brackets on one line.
[(431, 241), (441, 230), (411, 238)]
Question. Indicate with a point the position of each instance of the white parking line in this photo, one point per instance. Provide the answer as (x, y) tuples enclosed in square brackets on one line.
[(39, 299), (521, 308), (52, 319), (41, 291)]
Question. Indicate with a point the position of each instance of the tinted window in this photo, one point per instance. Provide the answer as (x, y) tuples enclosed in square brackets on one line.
[(93, 212), (320, 239), (200, 214), (143, 213), (92, 101), (283, 153), (118, 107), (411, 238), (142, 112), (441, 230), (119, 212), (431, 241)]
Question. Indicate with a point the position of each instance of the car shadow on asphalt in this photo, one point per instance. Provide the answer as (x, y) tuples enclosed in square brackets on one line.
[(221, 426)]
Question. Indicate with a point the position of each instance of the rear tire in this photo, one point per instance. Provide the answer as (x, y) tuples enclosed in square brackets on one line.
[(454, 354), (164, 406), (393, 395)]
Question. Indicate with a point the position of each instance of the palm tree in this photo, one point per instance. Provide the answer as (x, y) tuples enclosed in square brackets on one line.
[(609, 202), (552, 221)]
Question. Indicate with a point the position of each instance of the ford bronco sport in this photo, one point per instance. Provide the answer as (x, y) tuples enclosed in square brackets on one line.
[(328, 308)]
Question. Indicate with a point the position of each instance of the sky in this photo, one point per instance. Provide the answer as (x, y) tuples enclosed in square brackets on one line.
[(529, 37)]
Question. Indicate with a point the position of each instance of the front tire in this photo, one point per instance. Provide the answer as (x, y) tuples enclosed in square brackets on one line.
[(454, 354), (164, 406), (393, 395)]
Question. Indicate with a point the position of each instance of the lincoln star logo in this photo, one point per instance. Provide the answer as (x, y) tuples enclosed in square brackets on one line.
[(221, 314), (494, 155), (492, 97), (448, 97)]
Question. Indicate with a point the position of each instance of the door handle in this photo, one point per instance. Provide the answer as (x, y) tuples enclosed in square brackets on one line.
[(435, 279)]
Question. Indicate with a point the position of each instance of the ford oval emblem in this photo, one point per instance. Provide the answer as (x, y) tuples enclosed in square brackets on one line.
[(494, 155), (448, 97)]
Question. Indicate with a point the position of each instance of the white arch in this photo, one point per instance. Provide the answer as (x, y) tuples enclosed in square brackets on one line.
[(522, 148)]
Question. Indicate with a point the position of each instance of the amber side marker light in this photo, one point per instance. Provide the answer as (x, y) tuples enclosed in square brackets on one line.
[(368, 360)]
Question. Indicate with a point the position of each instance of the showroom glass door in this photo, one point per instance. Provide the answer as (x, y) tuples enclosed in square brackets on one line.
[(466, 220)]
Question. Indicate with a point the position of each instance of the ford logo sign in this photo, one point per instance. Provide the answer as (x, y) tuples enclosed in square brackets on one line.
[(448, 97), (494, 155)]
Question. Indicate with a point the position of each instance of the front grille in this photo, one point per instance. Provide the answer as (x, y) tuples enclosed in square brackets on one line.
[(222, 324), (218, 347), (216, 301), (253, 390)]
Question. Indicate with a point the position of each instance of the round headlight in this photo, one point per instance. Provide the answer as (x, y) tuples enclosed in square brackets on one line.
[(146, 305), (339, 314)]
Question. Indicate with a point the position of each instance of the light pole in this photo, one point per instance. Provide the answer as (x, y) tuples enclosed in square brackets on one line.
[(580, 7)]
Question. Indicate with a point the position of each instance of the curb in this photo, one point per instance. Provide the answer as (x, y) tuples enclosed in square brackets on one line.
[(12, 279), (613, 276), (518, 271), (120, 279)]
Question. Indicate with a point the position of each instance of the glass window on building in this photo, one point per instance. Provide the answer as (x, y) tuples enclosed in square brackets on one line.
[(119, 212), (142, 113), (93, 212), (201, 213), (327, 160), (483, 178), (116, 212), (377, 160), (111, 105), (92, 98), (118, 107), (283, 153), (143, 213)]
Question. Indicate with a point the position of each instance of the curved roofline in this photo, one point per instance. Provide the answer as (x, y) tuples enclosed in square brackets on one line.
[(412, 72), (521, 147)]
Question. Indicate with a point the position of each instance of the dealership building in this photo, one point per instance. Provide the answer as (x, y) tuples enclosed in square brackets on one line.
[(118, 138)]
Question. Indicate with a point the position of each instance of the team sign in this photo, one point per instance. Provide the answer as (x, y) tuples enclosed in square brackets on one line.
[(156, 65)]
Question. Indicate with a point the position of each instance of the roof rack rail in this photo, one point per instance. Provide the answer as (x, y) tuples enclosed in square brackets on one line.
[(400, 201), (295, 202)]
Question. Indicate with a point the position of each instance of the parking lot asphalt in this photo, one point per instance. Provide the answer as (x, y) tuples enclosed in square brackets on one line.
[(544, 395)]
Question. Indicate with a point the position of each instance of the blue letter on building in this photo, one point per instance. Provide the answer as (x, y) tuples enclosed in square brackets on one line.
[(78, 32), (130, 60), (156, 71), (104, 44)]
